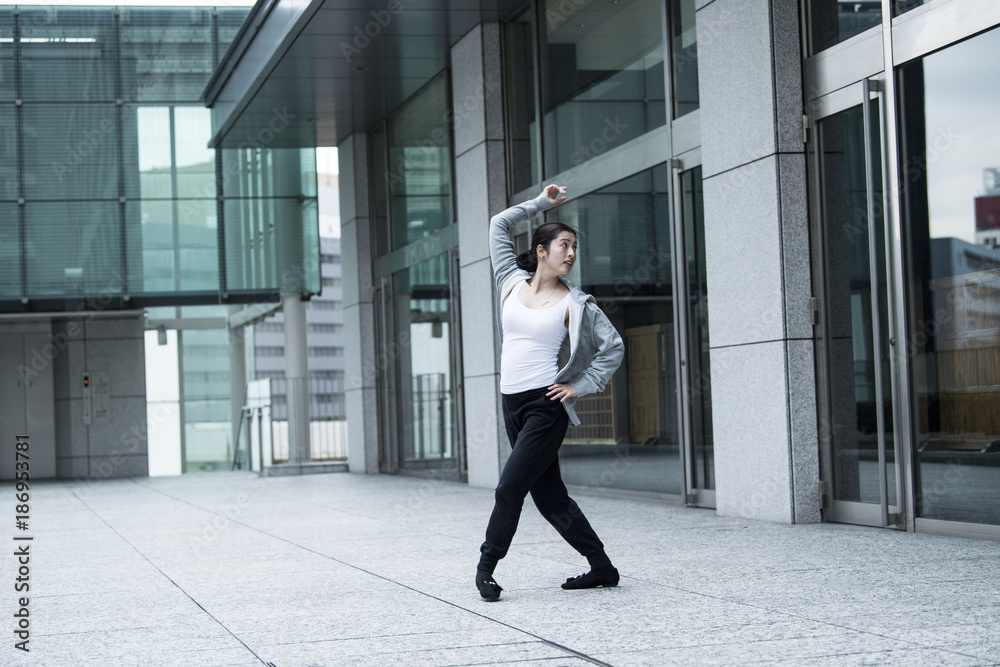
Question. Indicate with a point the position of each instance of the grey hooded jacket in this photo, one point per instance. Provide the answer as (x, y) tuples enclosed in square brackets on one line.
[(593, 349)]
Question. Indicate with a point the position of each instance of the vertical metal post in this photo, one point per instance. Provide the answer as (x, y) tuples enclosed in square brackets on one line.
[(680, 297), (174, 203), (867, 87)]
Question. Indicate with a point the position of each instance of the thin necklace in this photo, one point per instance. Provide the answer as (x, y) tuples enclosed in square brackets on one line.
[(542, 304)]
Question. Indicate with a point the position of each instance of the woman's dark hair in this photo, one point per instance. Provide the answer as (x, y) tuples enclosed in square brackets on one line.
[(543, 236)]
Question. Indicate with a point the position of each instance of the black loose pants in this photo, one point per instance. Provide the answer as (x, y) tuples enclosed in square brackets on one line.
[(536, 427)]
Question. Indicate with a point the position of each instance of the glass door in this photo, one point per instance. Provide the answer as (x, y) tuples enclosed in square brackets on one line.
[(854, 329), (691, 306)]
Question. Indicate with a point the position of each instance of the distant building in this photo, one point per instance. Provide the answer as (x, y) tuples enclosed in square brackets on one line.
[(988, 210), (324, 330)]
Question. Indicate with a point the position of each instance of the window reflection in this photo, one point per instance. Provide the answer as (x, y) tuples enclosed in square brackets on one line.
[(951, 157), (423, 349), (419, 174), (629, 437), (684, 46), (602, 77), (522, 128), (833, 21)]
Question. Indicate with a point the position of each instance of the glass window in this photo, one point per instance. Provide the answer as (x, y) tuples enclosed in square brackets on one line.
[(177, 214), (229, 20), (73, 248), (855, 326), (602, 77), (260, 253), (9, 186), (68, 54), (699, 374), (8, 84), (195, 161), (166, 55), (522, 125), (153, 136), (70, 151), (423, 350), (10, 251), (903, 6), (207, 420), (419, 175), (951, 157), (684, 48), (833, 21), (629, 436)]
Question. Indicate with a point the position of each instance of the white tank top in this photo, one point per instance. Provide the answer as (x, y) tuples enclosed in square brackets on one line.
[(532, 337)]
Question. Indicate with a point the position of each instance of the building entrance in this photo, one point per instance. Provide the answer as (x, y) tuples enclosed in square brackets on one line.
[(854, 332)]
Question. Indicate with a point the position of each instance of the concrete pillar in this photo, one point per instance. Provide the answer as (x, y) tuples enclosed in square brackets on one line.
[(359, 329), (757, 258), (480, 184), (297, 374), (237, 377)]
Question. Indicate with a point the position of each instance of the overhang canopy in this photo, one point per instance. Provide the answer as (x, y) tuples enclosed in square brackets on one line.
[(306, 73)]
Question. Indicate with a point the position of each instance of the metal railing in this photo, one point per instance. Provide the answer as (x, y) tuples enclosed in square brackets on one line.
[(263, 433)]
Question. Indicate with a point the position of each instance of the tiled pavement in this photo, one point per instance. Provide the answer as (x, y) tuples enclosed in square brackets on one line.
[(340, 569)]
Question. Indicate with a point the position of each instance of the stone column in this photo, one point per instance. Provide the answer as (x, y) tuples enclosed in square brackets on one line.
[(359, 330), (480, 184), (237, 376), (757, 257), (297, 375)]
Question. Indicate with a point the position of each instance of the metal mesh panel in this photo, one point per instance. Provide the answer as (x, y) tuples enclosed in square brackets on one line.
[(166, 54), (70, 151), (10, 250), (73, 248), (8, 152), (7, 81), (68, 54)]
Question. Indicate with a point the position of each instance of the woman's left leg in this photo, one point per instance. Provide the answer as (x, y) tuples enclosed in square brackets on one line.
[(553, 501)]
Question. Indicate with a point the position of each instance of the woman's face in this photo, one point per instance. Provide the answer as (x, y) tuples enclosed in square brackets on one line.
[(561, 254)]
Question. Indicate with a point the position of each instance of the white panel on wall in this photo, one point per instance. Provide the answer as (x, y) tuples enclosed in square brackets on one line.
[(163, 415)]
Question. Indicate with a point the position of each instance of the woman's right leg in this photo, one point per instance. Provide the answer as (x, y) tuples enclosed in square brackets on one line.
[(536, 427)]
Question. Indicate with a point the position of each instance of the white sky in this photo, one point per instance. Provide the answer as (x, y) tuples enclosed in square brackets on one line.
[(962, 85)]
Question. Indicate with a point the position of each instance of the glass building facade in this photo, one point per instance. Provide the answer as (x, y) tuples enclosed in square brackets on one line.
[(112, 201), (109, 189)]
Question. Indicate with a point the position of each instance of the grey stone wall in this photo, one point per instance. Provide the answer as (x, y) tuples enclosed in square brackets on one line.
[(757, 257), (114, 444), (480, 183), (359, 327)]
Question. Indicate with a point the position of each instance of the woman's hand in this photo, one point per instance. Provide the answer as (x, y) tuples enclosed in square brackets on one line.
[(555, 193), (561, 391)]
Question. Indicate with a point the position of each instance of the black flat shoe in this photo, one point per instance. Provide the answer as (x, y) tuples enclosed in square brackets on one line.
[(487, 585), (604, 576)]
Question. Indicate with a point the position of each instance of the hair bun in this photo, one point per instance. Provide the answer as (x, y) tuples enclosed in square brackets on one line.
[(527, 260)]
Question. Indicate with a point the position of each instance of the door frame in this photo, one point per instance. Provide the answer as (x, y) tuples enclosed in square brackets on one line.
[(900, 515), (694, 495)]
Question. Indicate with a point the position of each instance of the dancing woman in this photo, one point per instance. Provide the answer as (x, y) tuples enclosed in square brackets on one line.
[(542, 314)]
